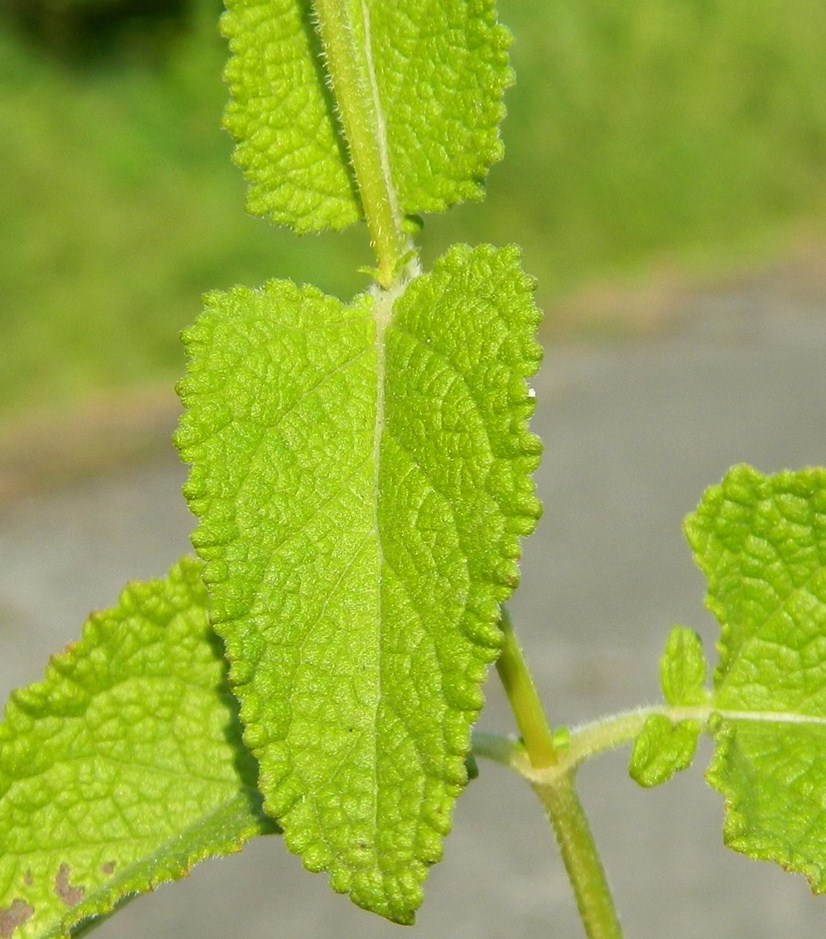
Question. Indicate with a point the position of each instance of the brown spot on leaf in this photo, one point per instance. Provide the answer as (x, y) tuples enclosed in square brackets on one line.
[(108, 868), (13, 916), (68, 894), (28, 878)]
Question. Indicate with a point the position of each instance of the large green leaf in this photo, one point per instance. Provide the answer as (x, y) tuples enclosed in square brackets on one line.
[(124, 767), (761, 541), (429, 76), (362, 476)]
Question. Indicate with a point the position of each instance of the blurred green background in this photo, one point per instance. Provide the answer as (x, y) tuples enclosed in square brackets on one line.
[(686, 133)]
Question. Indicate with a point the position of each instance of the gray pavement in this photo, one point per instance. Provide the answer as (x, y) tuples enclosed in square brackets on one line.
[(634, 431)]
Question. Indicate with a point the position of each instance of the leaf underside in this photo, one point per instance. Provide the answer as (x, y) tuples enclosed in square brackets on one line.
[(761, 541), (362, 477), (438, 69), (124, 767)]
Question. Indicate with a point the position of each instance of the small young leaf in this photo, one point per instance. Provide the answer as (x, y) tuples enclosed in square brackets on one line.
[(362, 477), (761, 541), (123, 768), (663, 748), (666, 745), (430, 78), (683, 669)]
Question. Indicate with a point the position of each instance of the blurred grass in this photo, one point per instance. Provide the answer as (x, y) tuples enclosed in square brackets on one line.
[(691, 132), (686, 131)]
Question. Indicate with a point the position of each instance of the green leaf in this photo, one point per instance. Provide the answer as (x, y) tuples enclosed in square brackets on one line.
[(362, 476), (425, 80), (663, 748), (124, 767), (667, 742), (761, 541), (683, 669)]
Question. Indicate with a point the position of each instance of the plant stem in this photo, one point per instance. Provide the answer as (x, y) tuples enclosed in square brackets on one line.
[(344, 27), (581, 857), (554, 784), (524, 700)]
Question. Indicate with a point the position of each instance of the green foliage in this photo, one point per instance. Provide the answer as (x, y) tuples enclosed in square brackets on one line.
[(683, 669), (362, 471), (666, 746), (689, 131), (124, 768), (78, 31), (362, 476), (282, 115), (110, 244)]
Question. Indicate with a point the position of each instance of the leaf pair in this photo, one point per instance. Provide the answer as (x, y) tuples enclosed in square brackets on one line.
[(361, 502), (362, 471)]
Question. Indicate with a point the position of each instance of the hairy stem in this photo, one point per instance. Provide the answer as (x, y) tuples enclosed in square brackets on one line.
[(581, 857), (344, 27)]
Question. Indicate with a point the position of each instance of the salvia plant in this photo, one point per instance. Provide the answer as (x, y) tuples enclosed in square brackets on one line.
[(361, 473)]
